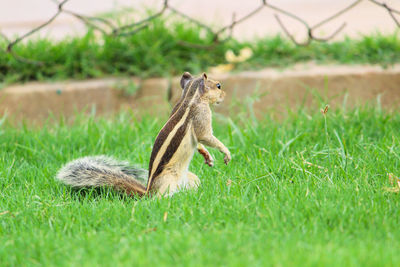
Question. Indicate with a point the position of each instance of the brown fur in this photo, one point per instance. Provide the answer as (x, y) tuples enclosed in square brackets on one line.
[(185, 84), (131, 188), (175, 117), (193, 113), (171, 149)]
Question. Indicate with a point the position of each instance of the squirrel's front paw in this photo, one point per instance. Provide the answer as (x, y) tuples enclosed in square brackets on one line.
[(207, 157), (227, 157), (209, 161)]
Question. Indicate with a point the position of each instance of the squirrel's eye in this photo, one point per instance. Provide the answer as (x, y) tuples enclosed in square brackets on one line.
[(218, 85)]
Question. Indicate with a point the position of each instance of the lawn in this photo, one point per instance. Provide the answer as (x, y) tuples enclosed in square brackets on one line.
[(307, 190)]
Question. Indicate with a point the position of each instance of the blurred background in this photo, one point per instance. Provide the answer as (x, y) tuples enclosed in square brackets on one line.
[(60, 56)]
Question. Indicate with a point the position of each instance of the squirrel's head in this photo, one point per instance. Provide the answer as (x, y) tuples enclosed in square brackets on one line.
[(209, 90)]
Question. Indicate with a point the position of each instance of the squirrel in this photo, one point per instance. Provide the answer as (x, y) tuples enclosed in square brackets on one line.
[(187, 129)]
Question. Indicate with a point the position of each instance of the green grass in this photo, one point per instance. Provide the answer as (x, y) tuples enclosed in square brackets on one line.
[(279, 209), (156, 51)]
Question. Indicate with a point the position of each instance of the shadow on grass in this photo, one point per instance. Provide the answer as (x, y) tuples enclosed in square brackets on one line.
[(100, 193)]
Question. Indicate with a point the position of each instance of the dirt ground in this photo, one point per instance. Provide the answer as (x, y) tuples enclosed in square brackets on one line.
[(19, 16)]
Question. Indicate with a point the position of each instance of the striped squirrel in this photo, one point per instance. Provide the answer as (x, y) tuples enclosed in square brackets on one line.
[(188, 127)]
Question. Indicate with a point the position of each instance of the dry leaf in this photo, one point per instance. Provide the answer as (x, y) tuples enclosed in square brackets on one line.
[(392, 179), (231, 58), (395, 182), (325, 110), (165, 216), (392, 189), (4, 212), (229, 182), (149, 230), (244, 54)]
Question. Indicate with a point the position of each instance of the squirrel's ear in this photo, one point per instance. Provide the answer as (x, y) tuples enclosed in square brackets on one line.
[(202, 85), (186, 77)]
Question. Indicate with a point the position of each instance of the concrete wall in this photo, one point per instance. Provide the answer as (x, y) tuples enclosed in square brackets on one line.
[(308, 85)]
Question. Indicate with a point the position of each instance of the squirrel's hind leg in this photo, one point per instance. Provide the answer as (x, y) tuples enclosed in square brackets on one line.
[(193, 180), (167, 185)]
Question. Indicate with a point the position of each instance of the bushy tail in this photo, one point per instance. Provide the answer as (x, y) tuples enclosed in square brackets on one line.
[(98, 171)]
